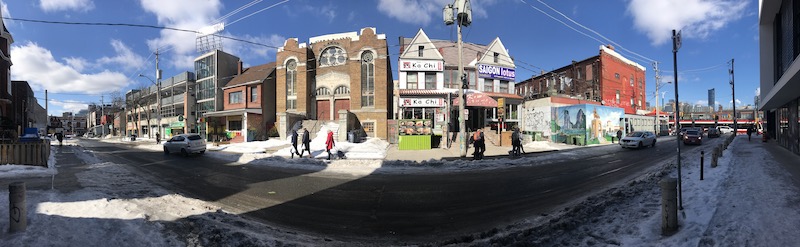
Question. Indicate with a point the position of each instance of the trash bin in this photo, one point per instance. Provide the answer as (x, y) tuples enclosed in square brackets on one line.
[(133, 138)]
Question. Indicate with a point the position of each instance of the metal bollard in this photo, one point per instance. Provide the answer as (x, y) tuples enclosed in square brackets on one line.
[(714, 157), (669, 205), (702, 157), (17, 211), (720, 149)]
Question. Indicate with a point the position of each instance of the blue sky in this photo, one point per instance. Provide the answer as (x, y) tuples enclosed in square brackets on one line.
[(79, 63)]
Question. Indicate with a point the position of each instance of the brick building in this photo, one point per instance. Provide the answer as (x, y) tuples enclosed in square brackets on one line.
[(248, 104), (6, 116), (608, 78), (335, 75)]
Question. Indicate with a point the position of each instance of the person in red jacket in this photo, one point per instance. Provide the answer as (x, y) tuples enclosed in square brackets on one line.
[(329, 143)]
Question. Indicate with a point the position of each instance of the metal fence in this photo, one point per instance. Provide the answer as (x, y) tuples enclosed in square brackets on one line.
[(25, 153)]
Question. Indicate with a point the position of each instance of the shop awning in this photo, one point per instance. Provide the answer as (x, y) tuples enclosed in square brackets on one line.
[(478, 100), (234, 112)]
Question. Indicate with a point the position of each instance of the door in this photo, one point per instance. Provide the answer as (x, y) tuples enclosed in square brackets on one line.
[(341, 104), (323, 110)]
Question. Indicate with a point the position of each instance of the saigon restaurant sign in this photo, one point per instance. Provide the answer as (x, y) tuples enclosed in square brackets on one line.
[(496, 72), (421, 65), (421, 102)]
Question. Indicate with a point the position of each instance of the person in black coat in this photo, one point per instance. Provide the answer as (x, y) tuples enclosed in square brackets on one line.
[(294, 143), (306, 143)]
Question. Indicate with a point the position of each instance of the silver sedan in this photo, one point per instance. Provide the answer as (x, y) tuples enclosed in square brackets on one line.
[(638, 139), (185, 144)]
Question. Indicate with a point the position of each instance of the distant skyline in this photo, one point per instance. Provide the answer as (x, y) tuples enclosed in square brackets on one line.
[(79, 63)]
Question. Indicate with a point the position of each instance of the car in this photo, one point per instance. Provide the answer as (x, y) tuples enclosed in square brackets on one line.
[(725, 129), (693, 137), (185, 144), (713, 132), (638, 139)]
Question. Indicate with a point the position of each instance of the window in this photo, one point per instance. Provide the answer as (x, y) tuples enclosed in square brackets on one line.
[(332, 56), (253, 93), (420, 49), (235, 125), (235, 97), (291, 83), (617, 96), (411, 80), (206, 89), (341, 90), (367, 79), (430, 80), (488, 85), (369, 128), (496, 57), (616, 75), (204, 67), (631, 80), (504, 86), (473, 82), (322, 91), (632, 105)]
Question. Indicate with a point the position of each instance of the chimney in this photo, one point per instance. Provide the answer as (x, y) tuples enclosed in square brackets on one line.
[(239, 72), (610, 47), (402, 44)]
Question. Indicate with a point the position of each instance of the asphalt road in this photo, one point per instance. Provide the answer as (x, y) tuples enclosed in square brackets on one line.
[(407, 208)]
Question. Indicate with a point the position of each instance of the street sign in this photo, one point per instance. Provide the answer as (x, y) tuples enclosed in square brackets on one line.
[(501, 107), (180, 117), (677, 40)]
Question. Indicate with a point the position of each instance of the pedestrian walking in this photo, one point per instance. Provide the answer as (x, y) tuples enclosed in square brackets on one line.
[(479, 143), (294, 144), (515, 142), (158, 138), (60, 137), (749, 132), (329, 144), (619, 135), (306, 143)]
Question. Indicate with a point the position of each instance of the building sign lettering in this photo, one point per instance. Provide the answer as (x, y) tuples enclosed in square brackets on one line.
[(496, 72), (421, 65), (421, 102)]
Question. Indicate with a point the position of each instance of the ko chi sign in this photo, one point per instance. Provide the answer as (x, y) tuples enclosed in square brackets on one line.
[(421, 102), (421, 65)]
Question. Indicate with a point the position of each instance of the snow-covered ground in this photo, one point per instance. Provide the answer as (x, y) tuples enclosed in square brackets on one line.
[(746, 201)]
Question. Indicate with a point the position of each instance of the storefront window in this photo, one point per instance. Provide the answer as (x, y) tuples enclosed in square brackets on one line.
[(504, 86), (411, 80), (473, 84), (488, 85), (430, 80)]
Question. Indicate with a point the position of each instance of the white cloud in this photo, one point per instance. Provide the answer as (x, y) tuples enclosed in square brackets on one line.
[(738, 102), (422, 12), (183, 14), (37, 65), (125, 57), (758, 91), (77, 63), (68, 106), (63, 5), (248, 52), (696, 18)]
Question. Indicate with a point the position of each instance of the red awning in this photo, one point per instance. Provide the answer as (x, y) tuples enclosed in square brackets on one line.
[(478, 99)]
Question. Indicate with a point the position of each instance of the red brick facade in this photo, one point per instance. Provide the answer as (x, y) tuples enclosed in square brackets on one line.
[(600, 78), (319, 79)]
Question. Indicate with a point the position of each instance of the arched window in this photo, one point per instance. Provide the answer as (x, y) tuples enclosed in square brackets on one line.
[(323, 91), (367, 79), (341, 90), (291, 85), (332, 56)]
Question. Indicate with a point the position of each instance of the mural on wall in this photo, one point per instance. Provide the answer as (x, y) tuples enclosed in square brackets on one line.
[(537, 119), (585, 124)]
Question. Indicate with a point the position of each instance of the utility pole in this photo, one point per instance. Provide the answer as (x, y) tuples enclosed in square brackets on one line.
[(158, 94), (463, 16), (676, 44), (102, 116), (733, 93), (657, 125)]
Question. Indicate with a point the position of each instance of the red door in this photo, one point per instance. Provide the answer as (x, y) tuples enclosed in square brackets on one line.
[(341, 104), (324, 110)]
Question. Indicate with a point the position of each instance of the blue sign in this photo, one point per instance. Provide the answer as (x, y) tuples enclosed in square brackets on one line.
[(496, 72)]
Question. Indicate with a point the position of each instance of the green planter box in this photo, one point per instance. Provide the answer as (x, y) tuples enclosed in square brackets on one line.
[(412, 142)]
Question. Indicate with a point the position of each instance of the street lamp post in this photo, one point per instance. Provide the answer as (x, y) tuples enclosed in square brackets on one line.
[(158, 98)]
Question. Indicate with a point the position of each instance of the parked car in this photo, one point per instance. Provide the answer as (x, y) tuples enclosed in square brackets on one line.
[(693, 137), (725, 129), (638, 139), (713, 132), (185, 144)]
